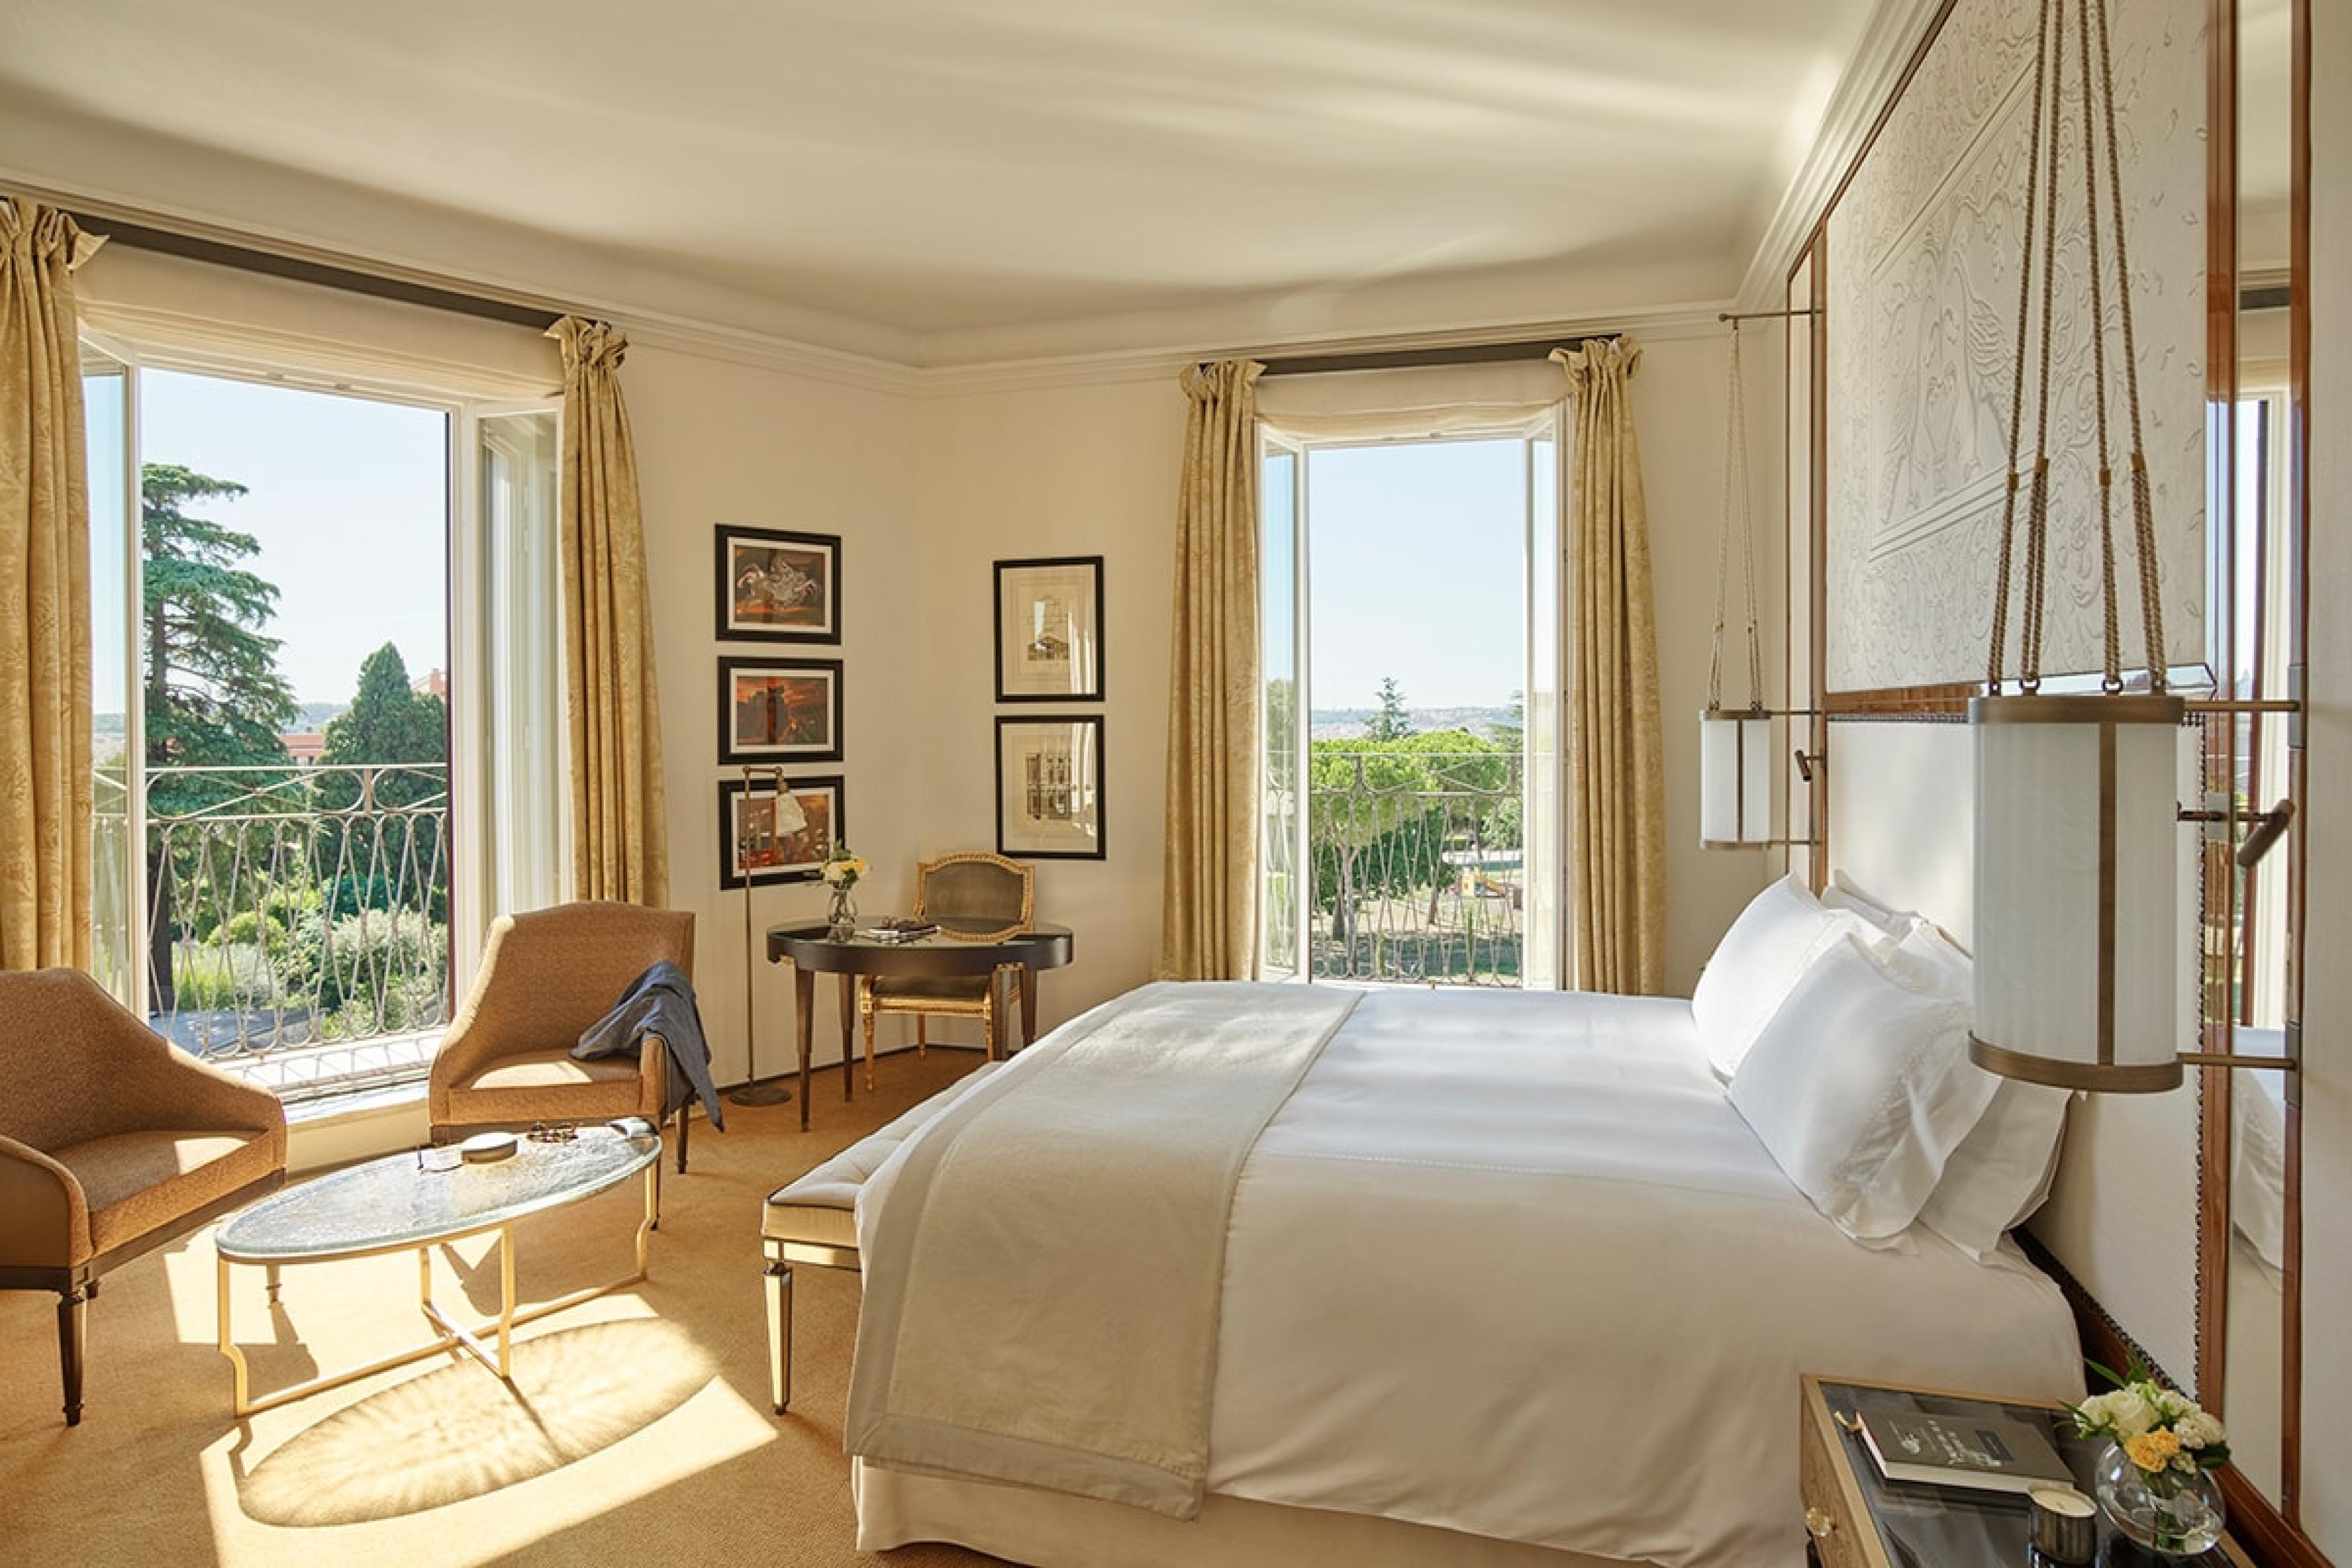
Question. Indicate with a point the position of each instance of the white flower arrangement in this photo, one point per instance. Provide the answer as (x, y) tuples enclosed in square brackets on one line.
[(2162, 1430), (841, 868)]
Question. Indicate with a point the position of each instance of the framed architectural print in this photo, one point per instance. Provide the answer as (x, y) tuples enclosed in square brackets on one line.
[(775, 586), (780, 710), (1049, 630), (1049, 803), (770, 836)]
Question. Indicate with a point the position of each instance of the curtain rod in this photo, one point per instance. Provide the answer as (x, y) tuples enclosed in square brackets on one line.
[(300, 269), (1405, 358)]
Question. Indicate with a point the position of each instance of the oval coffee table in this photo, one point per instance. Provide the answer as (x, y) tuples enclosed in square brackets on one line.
[(398, 1204)]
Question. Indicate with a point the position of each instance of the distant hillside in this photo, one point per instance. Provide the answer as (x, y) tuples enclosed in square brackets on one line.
[(1347, 723), (309, 719)]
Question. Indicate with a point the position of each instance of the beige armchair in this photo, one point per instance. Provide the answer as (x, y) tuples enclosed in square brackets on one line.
[(984, 895), (545, 978), (112, 1143)]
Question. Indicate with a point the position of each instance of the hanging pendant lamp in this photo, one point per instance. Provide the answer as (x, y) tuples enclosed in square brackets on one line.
[(2077, 894), (1735, 745)]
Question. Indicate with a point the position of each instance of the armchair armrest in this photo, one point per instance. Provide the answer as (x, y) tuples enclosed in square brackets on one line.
[(44, 1213)]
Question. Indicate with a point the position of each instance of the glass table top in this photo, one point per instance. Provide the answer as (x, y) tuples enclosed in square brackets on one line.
[(395, 1202), (1951, 1527), (954, 931)]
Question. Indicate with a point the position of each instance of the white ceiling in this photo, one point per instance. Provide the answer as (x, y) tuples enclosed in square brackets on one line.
[(953, 176)]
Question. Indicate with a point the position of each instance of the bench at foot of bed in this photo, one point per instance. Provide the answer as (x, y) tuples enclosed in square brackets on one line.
[(813, 1220)]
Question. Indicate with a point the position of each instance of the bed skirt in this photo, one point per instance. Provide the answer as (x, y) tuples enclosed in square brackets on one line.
[(1053, 1530)]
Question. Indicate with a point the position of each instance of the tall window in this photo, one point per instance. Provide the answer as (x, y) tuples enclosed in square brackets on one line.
[(1411, 670), (317, 618)]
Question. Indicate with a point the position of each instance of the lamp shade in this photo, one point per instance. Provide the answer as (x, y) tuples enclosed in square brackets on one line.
[(1735, 779), (2077, 890)]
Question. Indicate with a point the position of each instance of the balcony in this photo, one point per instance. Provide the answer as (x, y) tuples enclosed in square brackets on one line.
[(1418, 866), (297, 919)]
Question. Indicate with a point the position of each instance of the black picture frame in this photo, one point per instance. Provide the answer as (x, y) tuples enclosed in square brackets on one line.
[(1035, 580), (734, 710), (1063, 817), (803, 864), (814, 559)]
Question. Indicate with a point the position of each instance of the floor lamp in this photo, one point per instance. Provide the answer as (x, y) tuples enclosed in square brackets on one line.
[(763, 788)]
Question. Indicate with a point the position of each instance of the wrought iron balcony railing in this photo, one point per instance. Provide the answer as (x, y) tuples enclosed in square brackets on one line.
[(298, 915), (1417, 872)]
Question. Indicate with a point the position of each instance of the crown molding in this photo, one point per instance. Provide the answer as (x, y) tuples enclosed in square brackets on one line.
[(650, 327), (1656, 322), (1865, 89)]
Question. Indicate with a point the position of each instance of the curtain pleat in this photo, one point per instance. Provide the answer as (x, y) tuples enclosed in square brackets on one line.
[(619, 846), (1616, 827), (45, 655), (1209, 894)]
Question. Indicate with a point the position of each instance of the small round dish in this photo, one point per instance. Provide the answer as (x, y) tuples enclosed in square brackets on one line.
[(483, 1148)]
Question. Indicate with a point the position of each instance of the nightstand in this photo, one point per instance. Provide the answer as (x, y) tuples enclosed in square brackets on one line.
[(1857, 1519)]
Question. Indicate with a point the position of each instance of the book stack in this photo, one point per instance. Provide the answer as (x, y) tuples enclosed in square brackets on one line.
[(1988, 1453), (899, 929)]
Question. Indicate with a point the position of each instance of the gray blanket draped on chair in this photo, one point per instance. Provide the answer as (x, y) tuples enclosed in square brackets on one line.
[(661, 1002)]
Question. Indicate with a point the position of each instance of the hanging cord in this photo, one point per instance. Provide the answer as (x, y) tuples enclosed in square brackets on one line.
[(2152, 598), (1735, 485), (2114, 680), (2037, 538), (1994, 661)]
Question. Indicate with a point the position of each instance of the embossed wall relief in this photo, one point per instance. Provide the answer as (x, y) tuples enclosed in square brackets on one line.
[(1923, 257)]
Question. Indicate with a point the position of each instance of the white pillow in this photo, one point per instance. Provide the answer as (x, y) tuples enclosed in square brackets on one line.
[(1778, 935), (1842, 894), (2001, 1172), (1861, 1088)]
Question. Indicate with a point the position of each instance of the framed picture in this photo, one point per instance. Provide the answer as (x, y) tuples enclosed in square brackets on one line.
[(1049, 630), (780, 709), (775, 586), (1049, 804), (761, 839)]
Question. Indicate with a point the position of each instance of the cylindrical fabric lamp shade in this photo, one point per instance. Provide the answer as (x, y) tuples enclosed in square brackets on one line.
[(2076, 890), (1735, 779)]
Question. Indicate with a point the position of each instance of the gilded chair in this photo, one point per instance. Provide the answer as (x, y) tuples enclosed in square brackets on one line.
[(545, 978), (985, 896), (112, 1143)]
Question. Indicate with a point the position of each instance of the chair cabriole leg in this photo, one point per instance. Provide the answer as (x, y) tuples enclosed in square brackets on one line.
[(71, 1346)]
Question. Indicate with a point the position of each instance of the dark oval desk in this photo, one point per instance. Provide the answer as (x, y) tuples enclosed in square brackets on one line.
[(959, 947)]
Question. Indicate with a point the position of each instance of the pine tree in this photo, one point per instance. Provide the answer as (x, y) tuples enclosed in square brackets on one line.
[(214, 697), (1391, 722)]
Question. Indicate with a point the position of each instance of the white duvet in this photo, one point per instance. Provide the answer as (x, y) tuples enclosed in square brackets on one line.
[(1511, 1264)]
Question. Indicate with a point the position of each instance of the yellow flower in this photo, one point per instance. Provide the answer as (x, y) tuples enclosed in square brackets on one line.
[(2153, 1451)]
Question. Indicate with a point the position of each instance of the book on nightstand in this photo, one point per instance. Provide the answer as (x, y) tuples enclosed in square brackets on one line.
[(1990, 1453)]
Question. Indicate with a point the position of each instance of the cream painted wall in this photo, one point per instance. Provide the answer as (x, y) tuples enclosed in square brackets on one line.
[(1092, 471), (720, 442), (1077, 470)]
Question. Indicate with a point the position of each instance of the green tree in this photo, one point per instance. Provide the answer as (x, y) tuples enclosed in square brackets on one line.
[(1391, 722), (214, 697), (386, 780)]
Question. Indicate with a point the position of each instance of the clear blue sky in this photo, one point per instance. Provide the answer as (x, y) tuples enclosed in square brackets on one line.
[(350, 500), (1418, 571)]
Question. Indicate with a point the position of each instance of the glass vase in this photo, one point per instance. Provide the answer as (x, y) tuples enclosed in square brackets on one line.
[(2173, 1513), (841, 915)]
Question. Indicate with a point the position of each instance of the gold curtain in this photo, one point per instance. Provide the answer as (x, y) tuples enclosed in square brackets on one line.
[(1616, 826), (619, 840), (45, 673), (1209, 894)]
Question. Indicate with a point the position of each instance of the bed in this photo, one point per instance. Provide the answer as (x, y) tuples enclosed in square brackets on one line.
[(1505, 1280)]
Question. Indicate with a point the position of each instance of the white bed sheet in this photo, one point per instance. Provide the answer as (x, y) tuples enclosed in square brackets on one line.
[(1510, 1263)]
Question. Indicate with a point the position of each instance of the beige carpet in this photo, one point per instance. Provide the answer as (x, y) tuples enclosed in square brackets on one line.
[(638, 1430)]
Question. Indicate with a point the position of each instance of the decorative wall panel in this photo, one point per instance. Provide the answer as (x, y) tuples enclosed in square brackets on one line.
[(1924, 252)]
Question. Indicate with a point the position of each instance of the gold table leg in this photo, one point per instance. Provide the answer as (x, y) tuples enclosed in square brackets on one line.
[(448, 1335)]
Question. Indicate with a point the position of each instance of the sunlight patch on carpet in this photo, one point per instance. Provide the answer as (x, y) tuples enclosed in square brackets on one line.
[(458, 1432)]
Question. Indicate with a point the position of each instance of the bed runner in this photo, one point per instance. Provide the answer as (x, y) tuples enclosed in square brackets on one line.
[(1042, 1277)]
